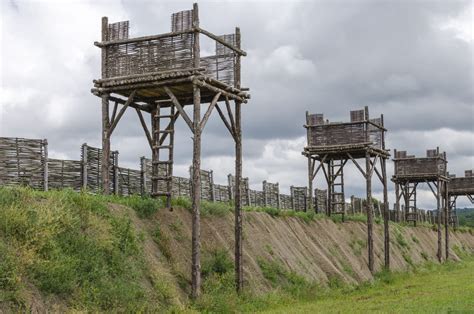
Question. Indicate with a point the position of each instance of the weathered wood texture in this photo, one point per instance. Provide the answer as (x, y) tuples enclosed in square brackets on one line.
[(64, 174), (299, 196), (22, 162), (93, 165), (360, 130), (129, 181), (138, 57), (271, 194), (433, 164)]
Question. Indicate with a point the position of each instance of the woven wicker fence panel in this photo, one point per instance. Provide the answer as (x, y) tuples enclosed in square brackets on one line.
[(130, 181), (154, 55), (206, 183), (244, 187), (221, 65), (336, 134), (22, 162), (64, 174), (94, 169), (181, 21), (146, 168), (419, 166), (271, 193), (321, 200), (221, 193), (315, 119), (462, 183), (118, 31), (299, 195), (256, 198), (285, 201), (375, 133)]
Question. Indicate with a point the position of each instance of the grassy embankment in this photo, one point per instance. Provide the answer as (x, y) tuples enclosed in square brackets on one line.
[(71, 251)]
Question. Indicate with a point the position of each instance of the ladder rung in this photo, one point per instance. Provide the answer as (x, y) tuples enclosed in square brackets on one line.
[(164, 131), (163, 116), (162, 162), (163, 101)]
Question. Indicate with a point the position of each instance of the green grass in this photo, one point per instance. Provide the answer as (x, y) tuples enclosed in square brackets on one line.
[(430, 289), (70, 245)]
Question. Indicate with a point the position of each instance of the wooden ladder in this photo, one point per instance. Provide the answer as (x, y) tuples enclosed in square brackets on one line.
[(412, 211), (163, 144), (336, 187)]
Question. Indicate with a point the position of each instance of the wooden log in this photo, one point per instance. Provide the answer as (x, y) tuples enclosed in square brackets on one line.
[(122, 111), (223, 118), (217, 90), (180, 108), (196, 182), (105, 43), (145, 128), (386, 227), (311, 164), (105, 164), (84, 166), (370, 218), (438, 205), (45, 165), (209, 111), (446, 217)]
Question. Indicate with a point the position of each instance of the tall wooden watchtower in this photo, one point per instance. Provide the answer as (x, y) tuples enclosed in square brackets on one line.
[(332, 145), (160, 75), (410, 172), (459, 186)]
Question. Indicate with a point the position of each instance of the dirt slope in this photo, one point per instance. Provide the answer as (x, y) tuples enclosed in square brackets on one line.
[(318, 250)]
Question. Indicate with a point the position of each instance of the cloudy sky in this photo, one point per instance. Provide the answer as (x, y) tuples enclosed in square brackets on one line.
[(410, 60)]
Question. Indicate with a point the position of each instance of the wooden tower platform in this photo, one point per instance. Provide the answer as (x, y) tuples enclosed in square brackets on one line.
[(330, 145), (459, 186), (160, 75), (409, 172)]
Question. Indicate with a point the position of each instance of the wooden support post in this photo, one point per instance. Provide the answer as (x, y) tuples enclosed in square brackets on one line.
[(105, 116), (386, 213), (84, 166), (370, 218), (438, 201), (45, 165), (115, 170), (239, 273), (105, 162), (311, 165), (446, 216), (143, 176), (196, 177)]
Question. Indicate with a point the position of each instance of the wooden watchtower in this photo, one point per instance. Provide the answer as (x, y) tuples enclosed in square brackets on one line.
[(410, 172), (332, 145), (160, 75), (459, 186)]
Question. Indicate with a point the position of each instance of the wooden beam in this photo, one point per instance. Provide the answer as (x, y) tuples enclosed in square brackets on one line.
[(319, 167), (216, 90), (431, 188), (180, 108), (229, 112), (209, 111), (220, 41), (114, 112), (145, 128), (105, 43), (221, 114), (122, 111), (357, 165)]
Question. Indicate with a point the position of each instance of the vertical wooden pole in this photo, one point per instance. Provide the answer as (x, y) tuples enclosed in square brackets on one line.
[(386, 213), (438, 201), (310, 183), (143, 175), (84, 166), (105, 117), (446, 216), (370, 218), (196, 177), (45, 165), (239, 275), (115, 170)]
